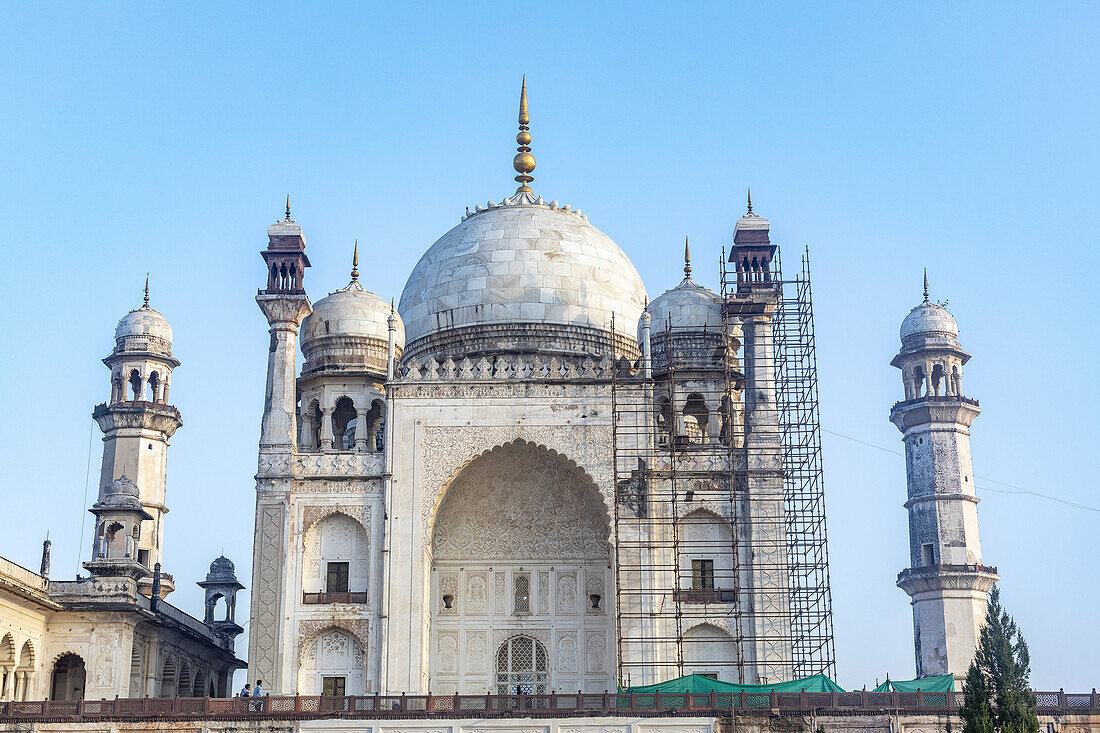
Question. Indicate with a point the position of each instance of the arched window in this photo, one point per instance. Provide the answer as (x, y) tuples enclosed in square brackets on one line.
[(376, 426), (117, 541), (938, 375), (168, 678), (521, 601), (183, 687), (343, 424), (664, 414), (154, 387), (69, 675), (918, 382), (696, 416), (135, 385), (521, 667)]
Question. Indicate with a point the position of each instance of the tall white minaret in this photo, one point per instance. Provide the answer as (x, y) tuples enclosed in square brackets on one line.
[(946, 578), (285, 304), (136, 422)]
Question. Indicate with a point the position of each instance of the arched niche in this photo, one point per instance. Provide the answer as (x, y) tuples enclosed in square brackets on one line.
[(706, 546), (709, 650), (336, 556), (519, 545), (333, 663)]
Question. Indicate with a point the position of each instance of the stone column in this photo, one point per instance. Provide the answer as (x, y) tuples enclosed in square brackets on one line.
[(647, 364), (362, 430), (20, 685), (8, 690), (714, 427), (278, 430), (327, 436), (391, 348), (306, 443)]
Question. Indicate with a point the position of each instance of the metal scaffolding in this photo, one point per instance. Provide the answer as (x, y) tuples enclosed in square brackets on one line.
[(716, 539)]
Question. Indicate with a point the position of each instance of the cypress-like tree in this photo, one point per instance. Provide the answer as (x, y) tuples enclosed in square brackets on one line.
[(997, 693)]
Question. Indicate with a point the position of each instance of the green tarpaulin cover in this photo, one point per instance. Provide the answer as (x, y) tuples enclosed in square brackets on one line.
[(699, 684), (942, 683)]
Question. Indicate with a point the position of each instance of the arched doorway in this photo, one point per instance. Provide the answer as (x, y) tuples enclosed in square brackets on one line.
[(520, 549), (68, 679)]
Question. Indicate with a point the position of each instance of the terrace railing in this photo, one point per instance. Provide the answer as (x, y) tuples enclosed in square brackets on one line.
[(551, 705)]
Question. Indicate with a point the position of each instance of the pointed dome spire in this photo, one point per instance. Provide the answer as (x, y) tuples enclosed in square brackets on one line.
[(288, 208), (687, 258), (926, 285), (749, 212), (524, 162), (146, 303), (355, 262)]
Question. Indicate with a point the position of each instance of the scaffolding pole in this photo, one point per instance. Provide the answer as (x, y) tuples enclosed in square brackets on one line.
[(712, 574)]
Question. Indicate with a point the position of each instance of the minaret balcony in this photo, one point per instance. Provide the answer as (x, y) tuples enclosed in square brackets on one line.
[(156, 416), (936, 398), (935, 578), (942, 409)]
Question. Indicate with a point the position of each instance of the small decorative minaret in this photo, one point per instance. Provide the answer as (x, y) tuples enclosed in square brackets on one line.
[(137, 423), (946, 578), (221, 584)]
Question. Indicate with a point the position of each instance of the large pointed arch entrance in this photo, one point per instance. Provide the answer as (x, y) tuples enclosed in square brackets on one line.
[(520, 560)]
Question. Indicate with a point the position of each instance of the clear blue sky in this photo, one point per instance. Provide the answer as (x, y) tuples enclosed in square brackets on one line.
[(961, 137)]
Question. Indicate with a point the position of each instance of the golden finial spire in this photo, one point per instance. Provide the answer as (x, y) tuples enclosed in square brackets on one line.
[(524, 162), (146, 305), (926, 285), (687, 258), (750, 204), (287, 208), (392, 309), (355, 262)]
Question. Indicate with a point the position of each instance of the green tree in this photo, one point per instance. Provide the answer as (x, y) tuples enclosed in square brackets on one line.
[(997, 694)]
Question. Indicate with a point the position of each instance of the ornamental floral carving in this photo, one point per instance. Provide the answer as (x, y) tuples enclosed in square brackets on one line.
[(451, 449), (307, 630)]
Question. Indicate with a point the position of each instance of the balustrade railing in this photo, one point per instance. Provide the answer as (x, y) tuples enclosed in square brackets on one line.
[(551, 705), (321, 598)]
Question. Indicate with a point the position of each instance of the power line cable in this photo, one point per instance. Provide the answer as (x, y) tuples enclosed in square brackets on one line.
[(1015, 489), (84, 514)]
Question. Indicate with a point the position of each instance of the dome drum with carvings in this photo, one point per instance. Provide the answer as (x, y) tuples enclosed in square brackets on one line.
[(348, 332), (688, 320)]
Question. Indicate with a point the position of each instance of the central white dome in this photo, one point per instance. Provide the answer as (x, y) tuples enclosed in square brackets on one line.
[(522, 275)]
